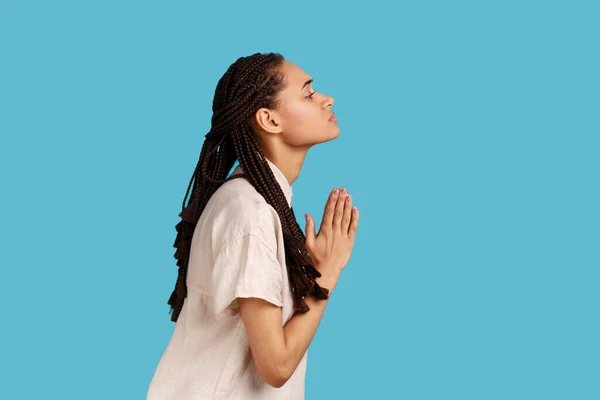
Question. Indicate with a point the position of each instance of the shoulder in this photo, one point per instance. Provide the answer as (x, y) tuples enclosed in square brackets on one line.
[(239, 210)]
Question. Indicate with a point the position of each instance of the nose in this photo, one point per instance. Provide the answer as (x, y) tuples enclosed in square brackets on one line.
[(328, 101)]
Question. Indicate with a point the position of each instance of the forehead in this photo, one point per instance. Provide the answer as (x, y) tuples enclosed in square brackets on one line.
[(295, 75)]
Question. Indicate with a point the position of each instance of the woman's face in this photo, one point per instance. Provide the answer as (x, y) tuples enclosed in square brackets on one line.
[(303, 116)]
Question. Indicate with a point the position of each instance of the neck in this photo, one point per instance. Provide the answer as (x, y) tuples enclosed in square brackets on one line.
[(289, 162)]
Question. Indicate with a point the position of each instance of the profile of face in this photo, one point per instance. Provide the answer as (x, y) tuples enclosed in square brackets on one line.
[(303, 117)]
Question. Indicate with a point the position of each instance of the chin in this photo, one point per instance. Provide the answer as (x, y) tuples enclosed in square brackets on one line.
[(331, 136), (337, 132)]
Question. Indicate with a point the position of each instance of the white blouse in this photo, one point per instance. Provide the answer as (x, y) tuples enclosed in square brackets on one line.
[(237, 250)]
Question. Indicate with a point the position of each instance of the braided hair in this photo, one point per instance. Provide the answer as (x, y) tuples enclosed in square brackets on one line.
[(248, 84)]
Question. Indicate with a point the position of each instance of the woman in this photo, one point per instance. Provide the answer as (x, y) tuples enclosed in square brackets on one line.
[(255, 288)]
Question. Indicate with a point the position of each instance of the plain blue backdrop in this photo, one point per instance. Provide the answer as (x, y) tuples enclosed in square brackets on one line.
[(469, 141)]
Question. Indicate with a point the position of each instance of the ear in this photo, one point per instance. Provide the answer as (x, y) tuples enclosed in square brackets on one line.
[(268, 120)]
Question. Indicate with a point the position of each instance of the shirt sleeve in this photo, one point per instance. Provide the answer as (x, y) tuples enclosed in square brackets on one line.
[(245, 267)]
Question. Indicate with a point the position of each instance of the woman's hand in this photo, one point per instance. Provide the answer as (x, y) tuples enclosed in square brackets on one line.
[(331, 248)]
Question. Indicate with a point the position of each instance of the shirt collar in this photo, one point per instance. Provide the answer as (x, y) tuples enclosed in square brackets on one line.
[(279, 177)]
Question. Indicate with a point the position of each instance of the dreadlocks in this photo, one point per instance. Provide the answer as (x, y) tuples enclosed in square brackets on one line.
[(248, 84)]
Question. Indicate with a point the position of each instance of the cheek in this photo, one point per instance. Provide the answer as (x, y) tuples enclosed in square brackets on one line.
[(301, 113), (306, 122), (308, 118)]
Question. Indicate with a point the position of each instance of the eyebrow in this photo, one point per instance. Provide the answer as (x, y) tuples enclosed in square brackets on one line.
[(306, 83)]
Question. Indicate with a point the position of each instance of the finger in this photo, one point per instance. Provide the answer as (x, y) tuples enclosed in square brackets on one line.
[(310, 229), (353, 224), (347, 214), (339, 209), (327, 220)]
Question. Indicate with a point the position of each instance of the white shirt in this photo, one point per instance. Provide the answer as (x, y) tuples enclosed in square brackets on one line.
[(237, 250)]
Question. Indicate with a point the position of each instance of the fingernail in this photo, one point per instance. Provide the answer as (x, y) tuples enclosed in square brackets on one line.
[(349, 198), (343, 190), (335, 192)]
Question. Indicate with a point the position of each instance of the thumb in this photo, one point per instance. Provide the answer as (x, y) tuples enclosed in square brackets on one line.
[(310, 229)]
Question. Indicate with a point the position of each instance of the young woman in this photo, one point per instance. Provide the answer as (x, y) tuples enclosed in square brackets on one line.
[(255, 287)]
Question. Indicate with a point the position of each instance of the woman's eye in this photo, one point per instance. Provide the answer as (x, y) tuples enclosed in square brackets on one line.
[(311, 95)]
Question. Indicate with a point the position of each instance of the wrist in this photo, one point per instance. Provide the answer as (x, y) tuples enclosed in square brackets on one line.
[(327, 281)]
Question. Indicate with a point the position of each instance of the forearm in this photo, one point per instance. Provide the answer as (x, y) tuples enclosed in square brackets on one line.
[(301, 328)]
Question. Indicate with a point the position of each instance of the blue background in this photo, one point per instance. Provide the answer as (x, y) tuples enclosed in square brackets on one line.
[(469, 141)]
